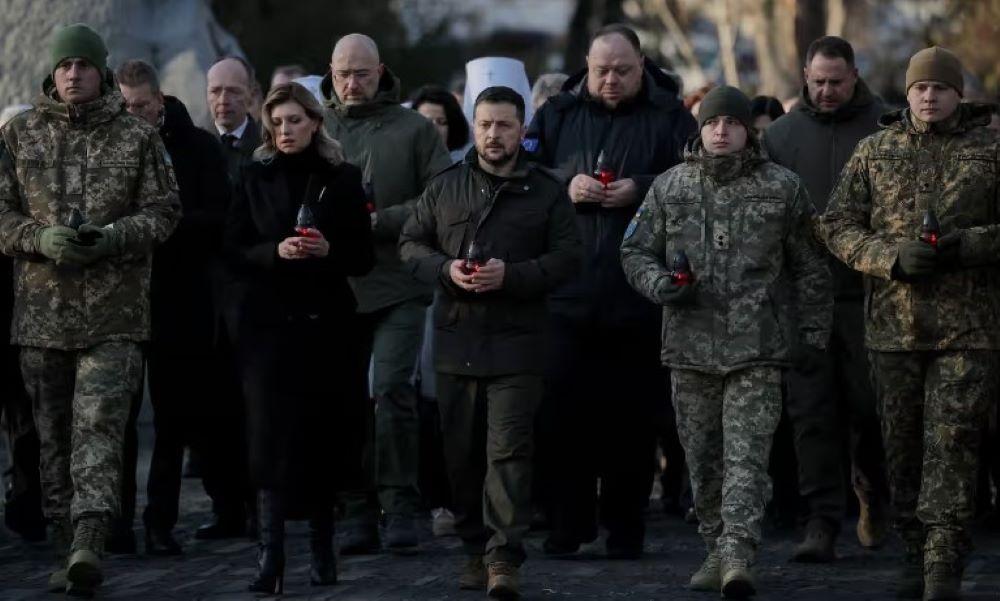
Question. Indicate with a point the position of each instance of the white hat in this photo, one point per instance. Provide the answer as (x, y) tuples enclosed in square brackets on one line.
[(488, 71)]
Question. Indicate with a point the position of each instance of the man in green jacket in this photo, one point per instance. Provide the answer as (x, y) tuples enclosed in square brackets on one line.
[(398, 152), (745, 225), (86, 191), (489, 324), (815, 140), (917, 212)]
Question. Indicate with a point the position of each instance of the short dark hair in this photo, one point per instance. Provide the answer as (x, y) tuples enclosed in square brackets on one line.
[(617, 28), (291, 71), (458, 127), (766, 105), (498, 95), (137, 72), (831, 46)]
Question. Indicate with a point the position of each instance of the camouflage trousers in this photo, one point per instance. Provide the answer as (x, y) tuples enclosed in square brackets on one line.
[(81, 402), (726, 424), (933, 405)]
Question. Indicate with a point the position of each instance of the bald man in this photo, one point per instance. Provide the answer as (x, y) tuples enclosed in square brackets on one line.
[(230, 85), (398, 151)]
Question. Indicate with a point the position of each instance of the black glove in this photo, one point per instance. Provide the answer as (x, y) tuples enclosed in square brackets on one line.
[(916, 259), (670, 293), (809, 359)]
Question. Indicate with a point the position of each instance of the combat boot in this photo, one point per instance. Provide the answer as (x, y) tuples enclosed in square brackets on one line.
[(61, 535), (737, 579), (872, 524), (817, 547), (911, 575), (501, 580), (707, 578), (943, 581), (83, 573)]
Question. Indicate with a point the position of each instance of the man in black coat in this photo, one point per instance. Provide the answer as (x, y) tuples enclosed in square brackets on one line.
[(815, 140), (182, 363), (496, 234), (620, 116)]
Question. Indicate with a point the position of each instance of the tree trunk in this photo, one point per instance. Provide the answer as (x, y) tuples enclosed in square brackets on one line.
[(773, 26)]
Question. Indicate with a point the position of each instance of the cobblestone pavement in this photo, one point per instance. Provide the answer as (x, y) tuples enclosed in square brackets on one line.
[(221, 570)]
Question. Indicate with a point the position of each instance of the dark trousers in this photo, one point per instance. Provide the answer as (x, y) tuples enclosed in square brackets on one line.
[(23, 505), (604, 385), (488, 425), (814, 403)]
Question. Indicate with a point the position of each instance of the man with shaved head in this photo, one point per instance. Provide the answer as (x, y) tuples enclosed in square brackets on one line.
[(230, 85), (620, 116), (398, 152)]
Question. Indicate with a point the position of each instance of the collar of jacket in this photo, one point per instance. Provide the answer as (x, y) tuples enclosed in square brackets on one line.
[(388, 94), (104, 108), (724, 167), (521, 168), (176, 118), (859, 102), (969, 115), (657, 89)]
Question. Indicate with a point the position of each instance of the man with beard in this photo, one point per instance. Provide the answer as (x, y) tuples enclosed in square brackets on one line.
[(620, 117), (815, 140), (398, 151), (180, 360), (489, 321)]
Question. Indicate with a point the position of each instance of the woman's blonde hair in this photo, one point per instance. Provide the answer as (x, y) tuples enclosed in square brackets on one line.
[(326, 146)]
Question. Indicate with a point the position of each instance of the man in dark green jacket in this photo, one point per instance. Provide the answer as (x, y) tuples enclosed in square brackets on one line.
[(815, 141), (488, 325), (398, 151)]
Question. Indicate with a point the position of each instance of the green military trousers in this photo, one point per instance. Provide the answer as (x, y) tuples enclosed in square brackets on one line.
[(933, 405), (726, 424), (487, 427), (81, 402)]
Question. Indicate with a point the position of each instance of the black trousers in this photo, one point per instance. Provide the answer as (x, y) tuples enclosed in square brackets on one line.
[(23, 506), (604, 386)]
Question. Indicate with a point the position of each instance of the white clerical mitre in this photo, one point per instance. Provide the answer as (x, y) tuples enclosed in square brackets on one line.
[(482, 73)]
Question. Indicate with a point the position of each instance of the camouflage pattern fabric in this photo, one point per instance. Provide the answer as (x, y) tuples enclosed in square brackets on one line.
[(110, 166), (893, 178), (932, 406), (726, 424), (81, 403), (746, 226)]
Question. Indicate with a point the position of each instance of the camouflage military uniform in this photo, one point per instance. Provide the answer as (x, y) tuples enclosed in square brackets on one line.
[(746, 226), (932, 341), (80, 327)]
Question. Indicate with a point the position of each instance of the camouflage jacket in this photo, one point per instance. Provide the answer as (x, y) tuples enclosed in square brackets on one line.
[(746, 226), (888, 185), (112, 167)]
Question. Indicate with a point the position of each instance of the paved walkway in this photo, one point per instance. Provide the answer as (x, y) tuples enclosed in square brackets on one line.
[(221, 570)]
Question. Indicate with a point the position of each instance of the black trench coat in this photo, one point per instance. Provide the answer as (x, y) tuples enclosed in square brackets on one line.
[(298, 345)]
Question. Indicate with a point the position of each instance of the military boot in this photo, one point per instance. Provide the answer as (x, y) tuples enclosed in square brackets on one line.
[(501, 581), (707, 578), (737, 579), (61, 535), (910, 582), (943, 581), (817, 546), (83, 573)]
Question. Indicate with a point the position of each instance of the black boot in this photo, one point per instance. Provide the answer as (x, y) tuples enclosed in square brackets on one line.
[(324, 560), (270, 544)]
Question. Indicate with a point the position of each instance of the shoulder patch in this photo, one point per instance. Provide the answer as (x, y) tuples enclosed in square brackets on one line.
[(530, 144), (630, 230)]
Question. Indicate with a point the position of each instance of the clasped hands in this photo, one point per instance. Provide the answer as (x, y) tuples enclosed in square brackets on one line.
[(485, 278), (77, 247), (312, 245), (584, 189)]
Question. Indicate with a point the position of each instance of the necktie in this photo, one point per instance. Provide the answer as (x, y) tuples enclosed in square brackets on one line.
[(230, 140)]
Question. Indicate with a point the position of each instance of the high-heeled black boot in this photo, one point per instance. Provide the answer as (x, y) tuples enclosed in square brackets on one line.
[(270, 544), (324, 561)]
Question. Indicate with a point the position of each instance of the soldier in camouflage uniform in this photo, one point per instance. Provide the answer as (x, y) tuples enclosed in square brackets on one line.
[(746, 225), (81, 304), (931, 311)]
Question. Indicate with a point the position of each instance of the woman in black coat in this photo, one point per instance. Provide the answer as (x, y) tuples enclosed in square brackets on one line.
[(296, 229)]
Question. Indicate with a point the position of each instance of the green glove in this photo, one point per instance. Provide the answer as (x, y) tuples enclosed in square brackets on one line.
[(91, 244), (670, 293), (916, 259), (52, 241), (949, 250)]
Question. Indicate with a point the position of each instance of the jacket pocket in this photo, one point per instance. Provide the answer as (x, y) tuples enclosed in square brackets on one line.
[(761, 231)]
